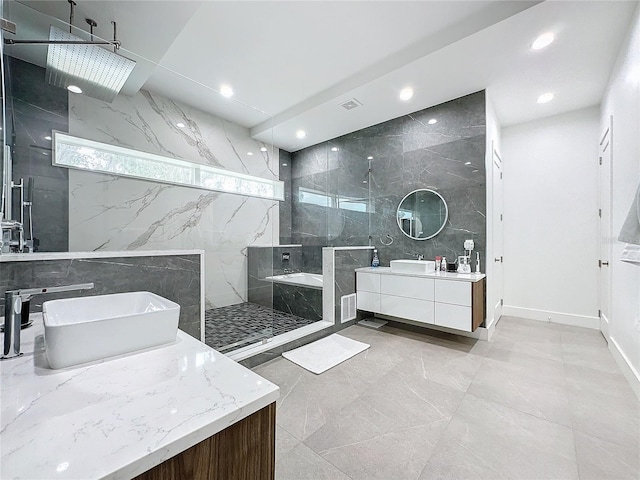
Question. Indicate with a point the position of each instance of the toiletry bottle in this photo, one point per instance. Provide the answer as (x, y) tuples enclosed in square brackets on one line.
[(376, 261), (438, 263), (443, 264), (477, 262)]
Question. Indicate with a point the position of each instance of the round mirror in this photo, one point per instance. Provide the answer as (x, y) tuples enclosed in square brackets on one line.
[(422, 214)]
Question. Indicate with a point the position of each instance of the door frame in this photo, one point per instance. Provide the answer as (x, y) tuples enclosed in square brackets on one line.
[(605, 146)]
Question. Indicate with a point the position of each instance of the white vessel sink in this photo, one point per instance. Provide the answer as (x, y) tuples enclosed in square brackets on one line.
[(79, 330), (413, 266)]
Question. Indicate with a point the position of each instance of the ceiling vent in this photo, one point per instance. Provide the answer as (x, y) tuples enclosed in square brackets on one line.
[(351, 104)]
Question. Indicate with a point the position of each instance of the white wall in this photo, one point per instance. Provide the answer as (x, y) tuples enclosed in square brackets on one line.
[(622, 100), (550, 218)]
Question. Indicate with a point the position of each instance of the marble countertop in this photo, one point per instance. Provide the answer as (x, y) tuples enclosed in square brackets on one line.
[(460, 277), (120, 417), (26, 257)]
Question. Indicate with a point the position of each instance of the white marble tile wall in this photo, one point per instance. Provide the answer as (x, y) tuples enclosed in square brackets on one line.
[(115, 213)]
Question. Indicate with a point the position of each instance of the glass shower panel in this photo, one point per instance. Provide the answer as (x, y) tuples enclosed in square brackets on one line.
[(348, 188)]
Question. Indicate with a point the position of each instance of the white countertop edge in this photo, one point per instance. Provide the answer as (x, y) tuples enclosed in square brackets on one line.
[(361, 247), (181, 444), (458, 277), (32, 257)]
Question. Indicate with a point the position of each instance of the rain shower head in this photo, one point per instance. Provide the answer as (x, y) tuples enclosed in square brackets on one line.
[(97, 71)]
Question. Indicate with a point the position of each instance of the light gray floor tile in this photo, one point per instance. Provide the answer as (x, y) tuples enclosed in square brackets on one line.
[(442, 365), (285, 442), (309, 403), (534, 367), (399, 409), (584, 355), (487, 440), (302, 463), (609, 417), (584, 381), (503, 384), (551, 350), (408, 400), (602, 460), (582, 336), (398, 455)]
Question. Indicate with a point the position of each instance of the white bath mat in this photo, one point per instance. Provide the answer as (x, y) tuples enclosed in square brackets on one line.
[(326, 353)]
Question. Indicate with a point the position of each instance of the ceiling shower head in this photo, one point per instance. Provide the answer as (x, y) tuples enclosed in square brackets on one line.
[(100, 73)]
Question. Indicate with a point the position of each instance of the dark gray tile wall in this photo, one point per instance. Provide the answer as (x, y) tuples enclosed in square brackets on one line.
[(408, 154), (346, 262), (35, 108), (300, 301), (176, 277)]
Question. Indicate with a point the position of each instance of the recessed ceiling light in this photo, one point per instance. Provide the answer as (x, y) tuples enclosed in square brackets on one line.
[(432, 121), (545, 97), (250, 154), (226, 91), (369, 157), (543, 41), (406, 93), (47, 137), (263, 149), (364, 181), (180, 125), (301, 134), (284, 164), (74, 89), (334, 149)]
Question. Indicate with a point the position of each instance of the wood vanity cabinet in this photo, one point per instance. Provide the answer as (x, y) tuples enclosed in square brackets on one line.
[(243, 451), (429, 300)]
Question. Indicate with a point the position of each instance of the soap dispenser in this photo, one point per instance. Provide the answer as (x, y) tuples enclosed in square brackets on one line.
[(376, 261)]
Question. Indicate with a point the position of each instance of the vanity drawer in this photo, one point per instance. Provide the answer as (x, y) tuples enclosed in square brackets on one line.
[(411, 287), (368, 301), (403, 307), (368, 282), (453, 316), (456, 293)]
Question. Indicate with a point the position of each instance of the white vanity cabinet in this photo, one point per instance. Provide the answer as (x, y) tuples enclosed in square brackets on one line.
[(407, 297), (444, 299)]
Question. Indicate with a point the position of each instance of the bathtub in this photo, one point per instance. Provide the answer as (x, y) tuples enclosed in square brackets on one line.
[(309, 280)]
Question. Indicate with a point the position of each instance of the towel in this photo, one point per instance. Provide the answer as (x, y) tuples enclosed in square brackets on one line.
[(630, 232)]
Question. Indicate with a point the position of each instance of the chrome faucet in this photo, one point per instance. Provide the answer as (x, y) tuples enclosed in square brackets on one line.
[(13, 300), (419, 256)]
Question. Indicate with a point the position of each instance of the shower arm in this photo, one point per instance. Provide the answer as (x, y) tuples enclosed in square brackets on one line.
[(115, 43), (10, 41)]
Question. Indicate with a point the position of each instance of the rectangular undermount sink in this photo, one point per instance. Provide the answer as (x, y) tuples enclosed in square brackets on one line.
[(84, 329), (413, 266)]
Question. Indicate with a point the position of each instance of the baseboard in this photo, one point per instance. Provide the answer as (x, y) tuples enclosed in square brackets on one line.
[(552, 317), (628, 371)]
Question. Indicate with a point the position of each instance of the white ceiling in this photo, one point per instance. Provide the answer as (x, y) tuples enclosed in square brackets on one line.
[(297, 61)]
